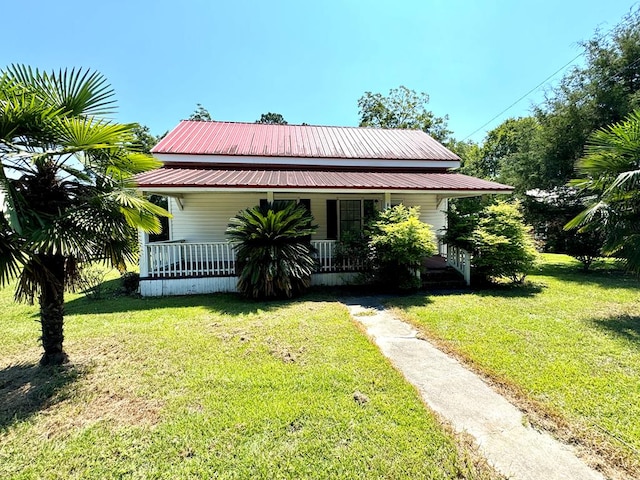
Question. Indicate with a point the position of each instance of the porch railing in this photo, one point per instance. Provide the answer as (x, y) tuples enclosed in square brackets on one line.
[(181, 259), (326, 256), (459, 259), (178, 258)]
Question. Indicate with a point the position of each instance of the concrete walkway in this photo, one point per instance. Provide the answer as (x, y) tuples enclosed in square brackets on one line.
[(468, 403)]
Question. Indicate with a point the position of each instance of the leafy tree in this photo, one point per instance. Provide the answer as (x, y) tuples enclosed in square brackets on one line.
[(272, 119), (603, 91), (502, 244), (549, 211), (66, 187), (610, 172), (273, 251), (200, 114), (402, 108), (511, 153), (471, 159), (495, 235), (463, 216), (143, 140)]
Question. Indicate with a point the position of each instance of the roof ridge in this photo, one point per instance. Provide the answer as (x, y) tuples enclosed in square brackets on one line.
[(305, 125)]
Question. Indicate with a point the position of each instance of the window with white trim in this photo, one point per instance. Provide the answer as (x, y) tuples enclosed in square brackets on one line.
[(348, 216)]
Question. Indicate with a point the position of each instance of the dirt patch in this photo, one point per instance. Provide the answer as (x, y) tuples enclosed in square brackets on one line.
[(92, 389), (285, 353), (115, 409)]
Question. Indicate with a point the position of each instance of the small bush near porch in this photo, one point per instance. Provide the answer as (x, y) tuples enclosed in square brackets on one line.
[(210, 386), (566, 348)]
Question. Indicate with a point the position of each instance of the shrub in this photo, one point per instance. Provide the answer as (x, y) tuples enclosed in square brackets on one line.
[(549, 211), (353, 249), (463, 216), (502, 245), (399, 242), (273, 251), (130, 282)]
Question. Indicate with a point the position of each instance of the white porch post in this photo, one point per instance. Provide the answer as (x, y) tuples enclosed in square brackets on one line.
[(144, 254), (270, 196), (387, 200)]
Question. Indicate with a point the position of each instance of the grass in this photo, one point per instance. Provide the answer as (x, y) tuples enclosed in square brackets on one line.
[(566, 347), (212, 387)]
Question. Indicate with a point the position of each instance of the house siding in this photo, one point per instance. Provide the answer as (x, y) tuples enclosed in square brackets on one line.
[(205, 216), (430, 211)]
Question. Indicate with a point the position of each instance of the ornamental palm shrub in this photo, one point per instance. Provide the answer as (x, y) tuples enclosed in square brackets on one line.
[(273, 251), (399, 242), (610, 175), (502, 244), (67, 191)]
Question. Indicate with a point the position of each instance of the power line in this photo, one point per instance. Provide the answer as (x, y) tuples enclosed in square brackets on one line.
[(626, 20), (526, 94)]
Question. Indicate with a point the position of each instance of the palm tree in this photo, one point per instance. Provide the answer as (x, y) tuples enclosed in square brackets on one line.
[(611, 176), (275, 257), (66, 188)]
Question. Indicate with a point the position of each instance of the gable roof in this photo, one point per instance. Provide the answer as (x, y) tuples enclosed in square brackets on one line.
[(300, 141)]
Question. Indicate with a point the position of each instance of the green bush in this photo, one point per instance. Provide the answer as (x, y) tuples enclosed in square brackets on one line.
[(273, 251), (502, 246), (130, 282), (399, 242)]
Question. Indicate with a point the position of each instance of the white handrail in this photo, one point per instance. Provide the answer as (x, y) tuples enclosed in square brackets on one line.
[(185, 259), (459, 259), (190, 259)]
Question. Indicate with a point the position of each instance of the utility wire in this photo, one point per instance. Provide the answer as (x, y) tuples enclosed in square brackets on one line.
[(626, 21), (526, 94)]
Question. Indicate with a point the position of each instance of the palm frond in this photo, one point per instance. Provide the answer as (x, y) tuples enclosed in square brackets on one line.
[(77, 92), (79, 134), (12, 254), (7, 203)]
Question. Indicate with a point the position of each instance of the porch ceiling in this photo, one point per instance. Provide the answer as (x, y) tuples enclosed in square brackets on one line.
[(315, 180)]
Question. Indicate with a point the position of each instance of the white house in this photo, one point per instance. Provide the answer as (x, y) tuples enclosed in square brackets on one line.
[(212, 170)]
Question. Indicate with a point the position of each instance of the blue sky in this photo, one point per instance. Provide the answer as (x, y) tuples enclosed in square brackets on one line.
[(308, 60)]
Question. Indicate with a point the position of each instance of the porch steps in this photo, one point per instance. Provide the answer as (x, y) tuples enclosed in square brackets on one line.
[(445, 278)]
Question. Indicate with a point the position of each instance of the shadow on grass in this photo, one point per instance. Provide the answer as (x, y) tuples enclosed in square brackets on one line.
[(605, 276), (224, 303), (423, 299), (26, 389), (113, 301), (625, 326)]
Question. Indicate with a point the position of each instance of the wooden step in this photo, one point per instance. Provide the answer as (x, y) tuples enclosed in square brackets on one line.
[(442, 279)]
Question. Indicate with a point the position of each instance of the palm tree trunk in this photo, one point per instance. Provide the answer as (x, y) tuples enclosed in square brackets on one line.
[(52, 311)]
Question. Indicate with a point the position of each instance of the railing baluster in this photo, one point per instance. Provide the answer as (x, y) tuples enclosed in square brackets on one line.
[(176, 259)]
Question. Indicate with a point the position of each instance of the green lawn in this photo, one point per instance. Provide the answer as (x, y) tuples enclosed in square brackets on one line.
[(567, 347), (212, 387)]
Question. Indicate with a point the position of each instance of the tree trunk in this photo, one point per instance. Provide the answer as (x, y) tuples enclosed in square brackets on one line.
[(52, 310)]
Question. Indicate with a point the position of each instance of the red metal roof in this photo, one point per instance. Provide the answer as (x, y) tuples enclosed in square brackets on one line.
[(307, 141), (313, 179)]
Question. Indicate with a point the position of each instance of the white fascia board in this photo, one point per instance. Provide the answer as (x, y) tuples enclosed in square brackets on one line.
[(213, 160), (173, 191)]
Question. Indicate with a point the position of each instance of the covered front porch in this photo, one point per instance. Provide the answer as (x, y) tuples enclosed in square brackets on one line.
[(196, 257), (178, 267)]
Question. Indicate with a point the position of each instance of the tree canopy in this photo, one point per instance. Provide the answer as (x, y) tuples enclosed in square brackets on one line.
[(272, 119), (402, 108), (200, 114), (541, 151)]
